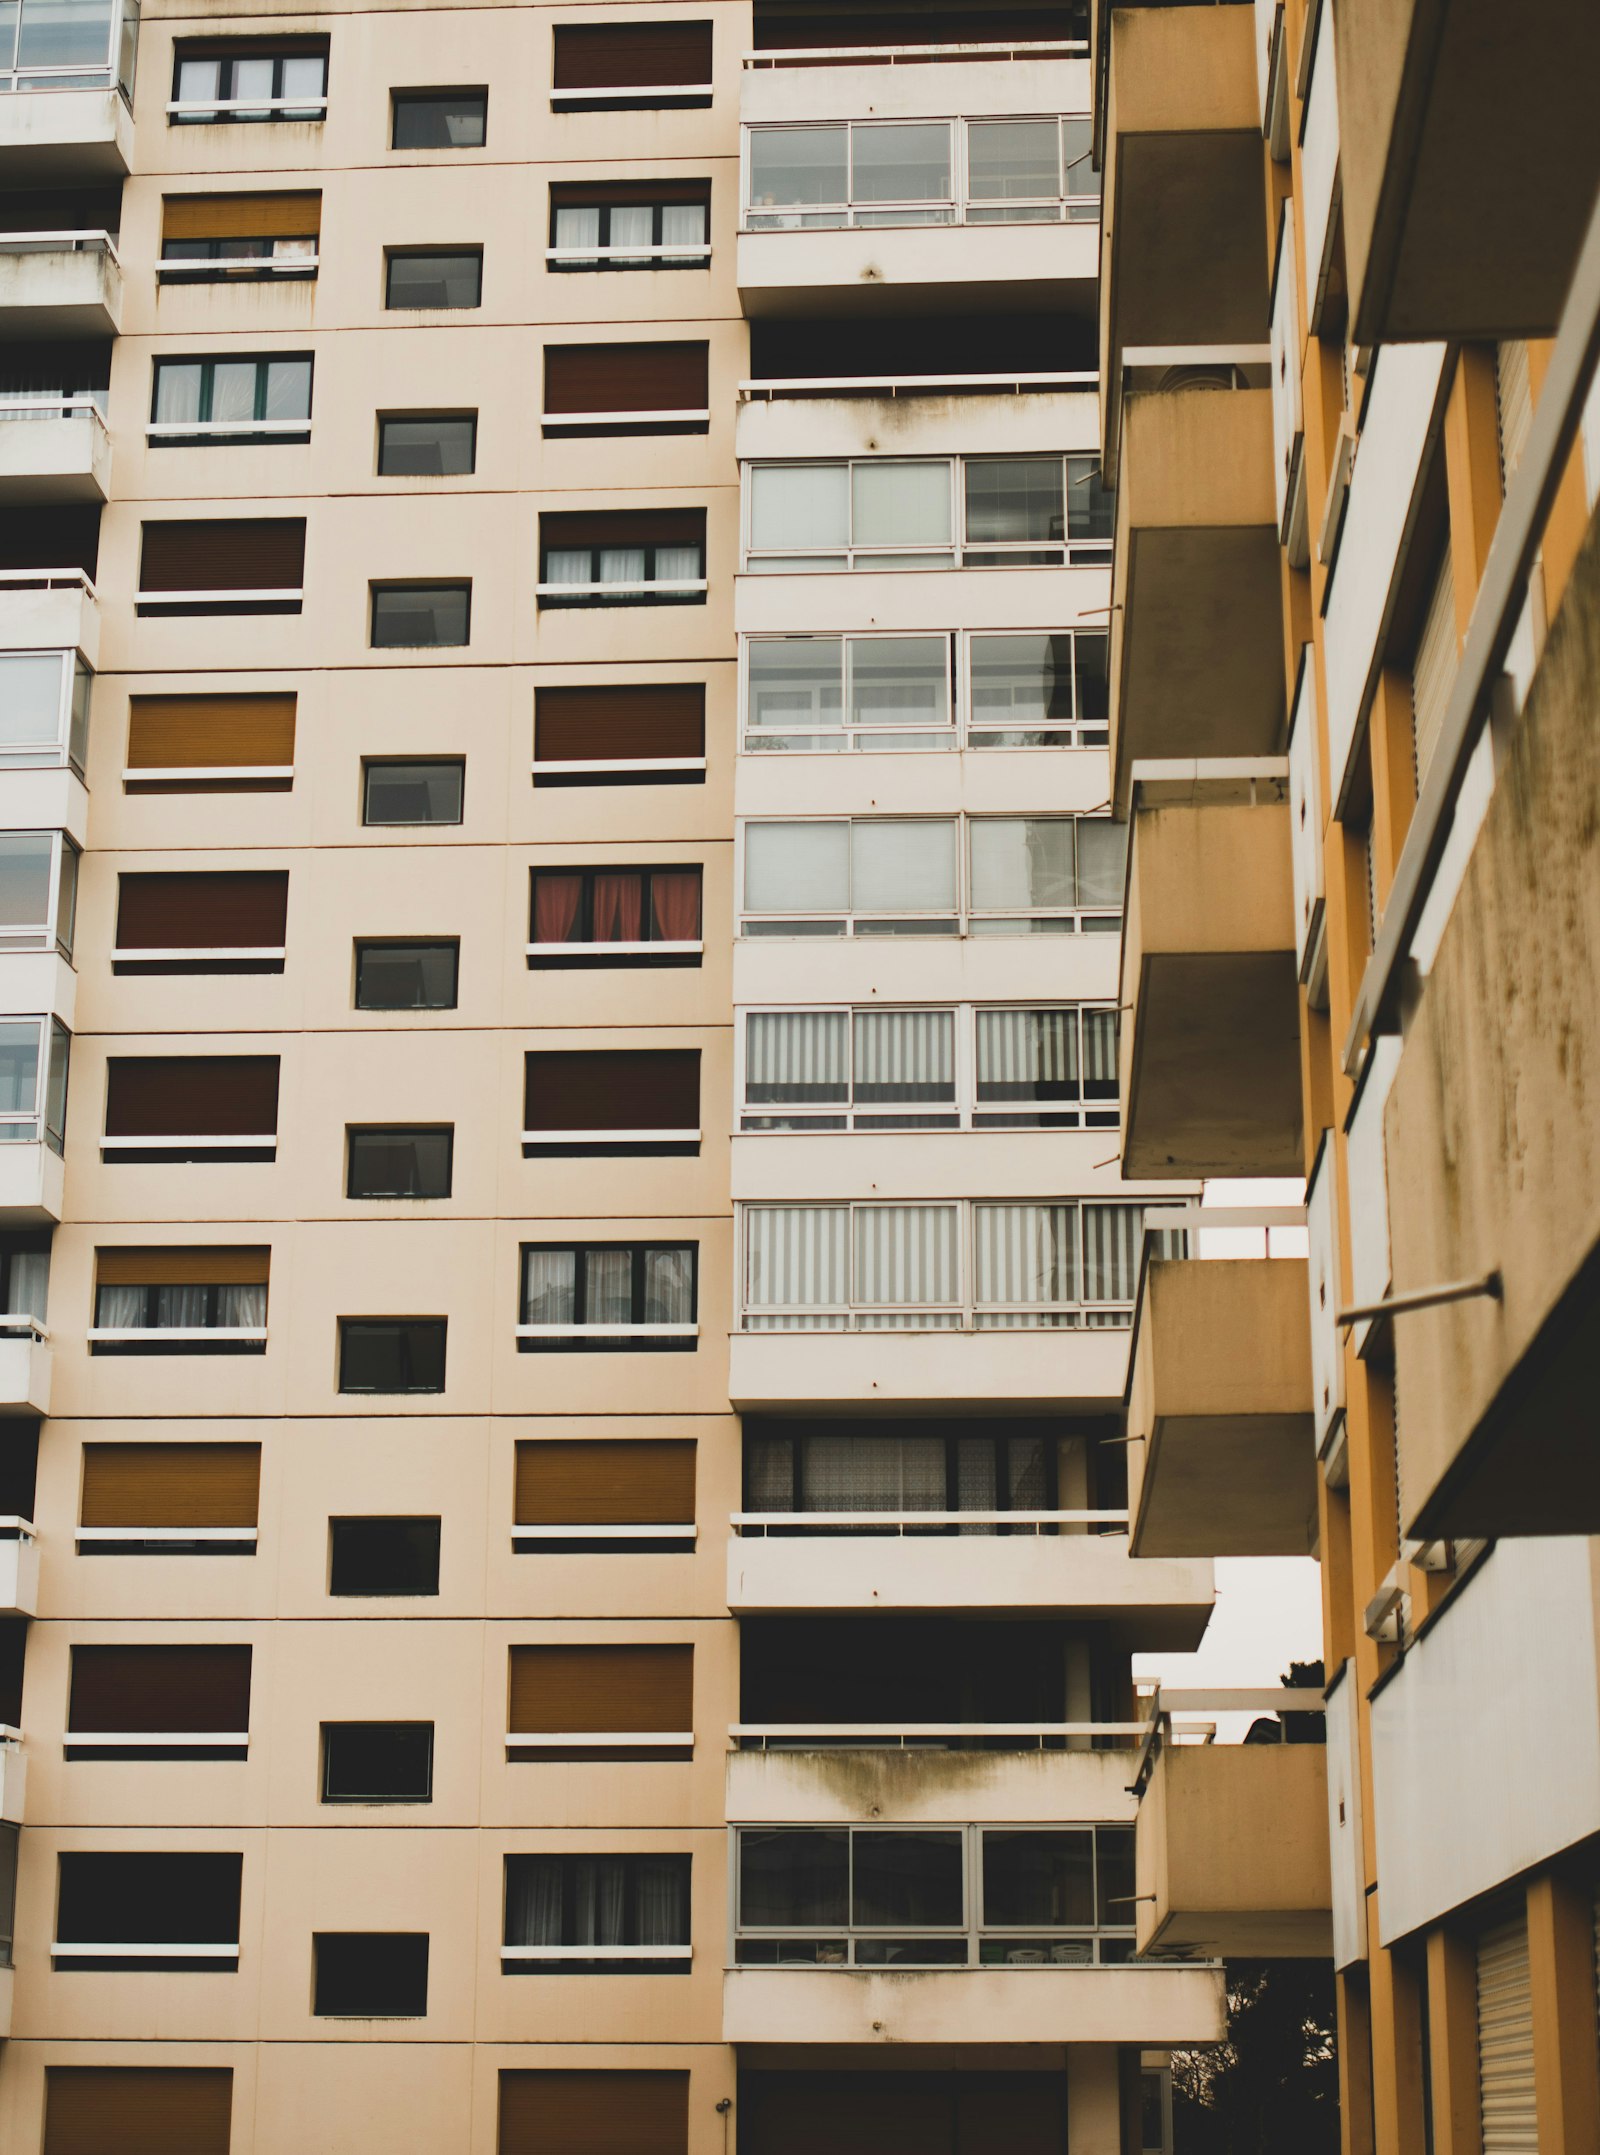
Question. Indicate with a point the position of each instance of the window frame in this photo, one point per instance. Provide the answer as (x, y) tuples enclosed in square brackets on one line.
[(415, 418), (259, 431), (648, 590), (362, 944), (956, 208), (45, 1122), (154, 1338), (402, 1325), (384, 588), (637, 1334), (56, 932), (369, 764), (67, 746), (228, 110), (391, 1132), (116, 72), (324, 1761), (586, 952), (659, 254), (473, 251), (428, 94), (574, 1957)]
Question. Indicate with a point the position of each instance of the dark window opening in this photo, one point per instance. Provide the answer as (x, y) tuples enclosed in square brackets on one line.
[(407, 793), (391, 1354), (418, 616), (370, 1975), (142, 1911), (407, 976), (377, 1762), (630, 226), (400, 1163), (383, 1556), (439, 119), (556, 1903), (427, 445), (611, 1102), (423, 279)]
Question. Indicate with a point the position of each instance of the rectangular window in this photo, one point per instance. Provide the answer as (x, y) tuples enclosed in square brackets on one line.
[(169, 1500), (407, 976), (1039, 690), (920, 172), (427, 445), (417, 616), (433, 278), (377, 1762), (608, 1102), (824, 693), (24, 1284), (138, 2110), (400, 1163), (241, 400), (369, 1557), (218, 565), (35, 1056), (1046, 875), (593, 2113), (38, 891), (369, 1975), (601, 1702), (623, 389), (210, 744), (596, 1915), (630, 225), (623, 557), (87, 47), (208, 921), (1005, 1479), (608, 1297), (239, 81), (391, 1355), (148, 1911), (412, 793), (44, 710), (927, 513), (872, 876), (438, 119), (615, 916), (211, 1300), (623, 736), (172, 1108), (631, 66), (214, 239), (605, 1496), (159, 1702)]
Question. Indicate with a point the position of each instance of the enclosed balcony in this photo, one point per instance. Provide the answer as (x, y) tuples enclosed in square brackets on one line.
[(1210, 1048), (66, 89), (1219, 1406), (47, 596), (19, 1566), (34, 1055), (24, 1337), (1436, 235), (60, 276)]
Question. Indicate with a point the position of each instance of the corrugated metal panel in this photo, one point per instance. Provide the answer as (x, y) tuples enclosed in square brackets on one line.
[(1505, 2040), (1514, 401), (1433, 670)]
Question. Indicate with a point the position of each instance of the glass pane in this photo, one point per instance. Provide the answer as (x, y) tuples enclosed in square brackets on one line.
[(797, 867), (288, 389), (1019, 862), (621, 565), (793, 1877), (905, 1878), (799, 506), (415, 615), (55, 1102), (178, 389), (905, 1055), (1025, 1255), (428, 448), (577, 227), (305, 75), (1077, 153), (78, 721), (1115, 1869), (406, 976), (19, 1071), (1102, 852), (454, 120), (1009, 159), (549, 1286), (795, 681), (252, 78), (608, 1286), (898, 680), (669, 1286), (903, 865), (797, 165), (1091, 505), (1039, 1878), (233, 389), (1021, 680), (1094, 693), (798, 1056), (901, 164), (1015, 498), (901, 504), (30, 698), (906, 1254), (434, 280), (683, 224), (399, 1163), (25, 879), (66, 898), (198, 80), (632, 225), (414, 792), (65, 33), (1027, 1055)]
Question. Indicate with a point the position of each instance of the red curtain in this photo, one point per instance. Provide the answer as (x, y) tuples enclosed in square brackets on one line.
[(555, 906), (675, 901), (618, 908)]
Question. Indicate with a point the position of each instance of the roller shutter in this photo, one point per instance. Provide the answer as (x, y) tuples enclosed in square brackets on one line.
[(210, 733), (1505, 2040), (612, 1089), (247, 553), (594, 2113), (210, 1265), (619, 725), (167, 1690), (137, 2110), (192, 1096), (624, 527), (625, 378), (605, 1482), (631, 55), (624, 1690), (241, 216), (214, 910), (170, 1485)]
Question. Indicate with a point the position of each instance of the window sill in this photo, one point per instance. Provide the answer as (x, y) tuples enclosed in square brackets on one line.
[(610, 1144), (188, 1151), (623, 771), (602, 1539), (581, 1746), (179, 963), (177, 1339), (647, 97), (190, 605), (151, 1959), (85, 1744), (676, 591), (166, 1540)]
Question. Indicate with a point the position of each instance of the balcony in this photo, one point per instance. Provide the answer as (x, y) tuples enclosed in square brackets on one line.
[(24, 1366), (1219, 1398), (13, 1779), (1210, 1050), (53, 449), (1232, 1839), (19, 1570), (1184, 252), (938, 1369), (877, 1771), (1436, 238), (59, 285), (954, 2006), (973, 410), (47, 608), (1197, 642)]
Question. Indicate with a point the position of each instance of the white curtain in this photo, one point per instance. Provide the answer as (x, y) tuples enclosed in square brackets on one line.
[(1028, 1047), (907, 1254), (676, 564), (905, 1055), (661, 1884), (632, 224), (181, 1307), (549, 1279), (883, 1473), (608, 1286), (621, 565), (1024, 1258), (683, 224), (117, 1309), (1111, 1238), (242, 1305), (533, 1900), (668, 1286), (566, 565), (797, 1055), (796, 1255), (577, 228)]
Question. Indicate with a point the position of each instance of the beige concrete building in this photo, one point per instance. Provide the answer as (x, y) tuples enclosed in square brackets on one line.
[(563, 1527)]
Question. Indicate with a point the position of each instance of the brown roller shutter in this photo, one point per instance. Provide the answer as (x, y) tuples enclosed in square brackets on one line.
[(236, 216), (137, 2110), (212, 1265), (953, 27), (632, 55), (625, 527), (192, 1096), (609, 194), (247, 553), (626, 378), (210, 732), (594, 725), (612, 1089), (626, 1690), (605, 1482), (160, 1690), (594, 2113), (215, 910), (170, 1485)]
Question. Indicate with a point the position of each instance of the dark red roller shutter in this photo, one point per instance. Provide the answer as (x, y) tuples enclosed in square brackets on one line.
[(249, 553), (165, 1690), (624, 527), (631, 55), (613, 1089), (625, 378), (223, 910), (576, 725), (192, 1096)]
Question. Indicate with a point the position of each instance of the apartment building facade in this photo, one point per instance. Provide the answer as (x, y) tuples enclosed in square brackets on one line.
[(1352, 420), (568, 1281)]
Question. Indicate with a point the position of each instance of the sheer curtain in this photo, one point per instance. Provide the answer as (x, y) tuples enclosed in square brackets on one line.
[(1025, 1256), (668, 1287), (116, 1309), (578, 227), (608, 1286), (632, 224), (797, 1056), (568, 565), (181, 1307), (662, 1887), (683, 224), (623, 565), (599, 1900), (887, 1473), (549, 1287), (905, 1055), (242, 1306), (678, 564), (797, 1260), (907, 1254), (533, 1900)]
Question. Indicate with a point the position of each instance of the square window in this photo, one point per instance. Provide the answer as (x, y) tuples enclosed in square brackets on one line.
[(400, 1163), (383, 1556), (438, 278), (407, 976), (416, 617), (370, 1975), (377, 1762), (391, 1355), (405, 793), (439, 119), (427, 445)]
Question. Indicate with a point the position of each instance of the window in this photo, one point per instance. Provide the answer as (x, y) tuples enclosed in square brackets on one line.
[(209, 921), (606, 1297), (159, 1702), (900, 875), (630, 66), (1030, 172), (955, 1896), (254, 400), (176, 1301), (623, 557), (1038, 691), (940, 1267), (920, 172), (10, 1845), (634, 225), (626, 388), (377, 1762), (886, 1069), (400, 1163), (598, 916), (624, 736), (601, 1702), (24, 1284), (427, 445), (38, 891), (210, 744), (822, 693), (605, 1496), (148, 1911), (370, 1975), (89, 46), (34, 1057), (183, 1108), (217, 565), (413, 616), (596, 1915), (211, 239), (433, 277), (169, 1500), (407, 793), (593, 2113), (927, 512), (391, 1354), (281, 79), (44, 710), (438, 119), (138, 2110), (383, 1556), (407, 976), (609, 1101)]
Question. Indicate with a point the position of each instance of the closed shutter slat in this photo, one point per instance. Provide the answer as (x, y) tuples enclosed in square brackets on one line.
[(574, 725), (173, 1690), (137, 2110), (624, 55), (623, 1690), (611, 194), (1505, 2040), (605, 1482), (201, 732), (249, 553), (212, 1265), (625, 378), (192, 1096), (625, 527), (578, 2113), (613, 1089), (241, 216), (170, 1485), (214, 910)]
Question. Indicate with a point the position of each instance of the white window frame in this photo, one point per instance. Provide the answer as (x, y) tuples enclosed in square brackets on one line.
[(912, 213), (222, 111), (45, 936), (78, 76), (30, 1126), (53, 751)]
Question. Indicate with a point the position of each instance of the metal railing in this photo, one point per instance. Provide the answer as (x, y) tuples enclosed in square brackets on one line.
[(977, 1736), (46, 580), (914, 385), (84, 241), (759, 1525), (885, 55), (1171, 1718)]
